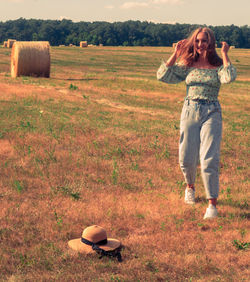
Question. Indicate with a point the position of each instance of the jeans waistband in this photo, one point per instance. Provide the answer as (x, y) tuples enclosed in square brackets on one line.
[(202, 101)]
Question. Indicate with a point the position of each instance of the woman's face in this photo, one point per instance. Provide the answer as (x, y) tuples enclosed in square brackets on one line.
[(201, 43)]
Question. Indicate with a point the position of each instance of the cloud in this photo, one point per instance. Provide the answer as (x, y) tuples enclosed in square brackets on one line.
[(18, 1), (131, 5), (109, 7), (149, 3), (167, 1), (15, 1)]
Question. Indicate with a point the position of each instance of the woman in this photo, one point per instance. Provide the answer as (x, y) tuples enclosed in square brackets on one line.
[(201, 122)]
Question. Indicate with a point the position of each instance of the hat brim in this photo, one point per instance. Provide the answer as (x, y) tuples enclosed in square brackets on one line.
[(79, 246)]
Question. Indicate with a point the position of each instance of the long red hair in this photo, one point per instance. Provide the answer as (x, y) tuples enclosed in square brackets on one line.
[(189, 54)]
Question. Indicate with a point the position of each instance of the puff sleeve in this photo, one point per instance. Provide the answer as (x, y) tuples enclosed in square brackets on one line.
[(173, 74), (227, 74)]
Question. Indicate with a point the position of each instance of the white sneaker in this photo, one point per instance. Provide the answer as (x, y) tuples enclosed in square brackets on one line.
[(189, 196), (211, 212)]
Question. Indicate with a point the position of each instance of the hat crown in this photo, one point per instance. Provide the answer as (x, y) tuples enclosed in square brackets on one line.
[(94, 233)]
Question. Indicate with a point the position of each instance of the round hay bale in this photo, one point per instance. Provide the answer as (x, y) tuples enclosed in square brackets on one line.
[(10, 43), (30, 58)]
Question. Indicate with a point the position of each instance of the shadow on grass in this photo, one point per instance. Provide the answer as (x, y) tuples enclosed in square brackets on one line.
[(226, 202), (74, 79), (201, 200), (245, 215), (235, 204)]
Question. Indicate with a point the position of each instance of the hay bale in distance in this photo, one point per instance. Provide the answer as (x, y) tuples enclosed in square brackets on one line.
[(10, 43), (232, 47), (173, 45), (83, 44), (5, 44), (30, 58)]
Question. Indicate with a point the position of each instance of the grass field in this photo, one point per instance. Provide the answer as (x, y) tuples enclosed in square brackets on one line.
[(97, 143)]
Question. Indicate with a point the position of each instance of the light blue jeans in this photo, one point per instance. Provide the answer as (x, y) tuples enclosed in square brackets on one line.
[(200, 137)]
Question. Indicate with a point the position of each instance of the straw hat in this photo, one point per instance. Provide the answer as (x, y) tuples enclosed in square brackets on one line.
[(94, 239)]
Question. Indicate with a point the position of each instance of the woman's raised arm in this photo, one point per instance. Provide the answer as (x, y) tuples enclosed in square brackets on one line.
[(177, 52), (224, 51)]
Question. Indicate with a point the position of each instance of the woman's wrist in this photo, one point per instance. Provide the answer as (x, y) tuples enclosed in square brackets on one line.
[(224, 51), (171, 61), (225, 59)]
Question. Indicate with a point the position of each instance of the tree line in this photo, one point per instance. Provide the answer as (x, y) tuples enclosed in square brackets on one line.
[(128, 33)]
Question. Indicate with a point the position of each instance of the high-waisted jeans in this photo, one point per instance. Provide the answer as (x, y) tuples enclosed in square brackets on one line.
[(200, 137)]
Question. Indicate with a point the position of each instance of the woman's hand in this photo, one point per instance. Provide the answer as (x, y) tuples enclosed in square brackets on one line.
[(177, 52), (224, 47), (178, 47), (224, 50)]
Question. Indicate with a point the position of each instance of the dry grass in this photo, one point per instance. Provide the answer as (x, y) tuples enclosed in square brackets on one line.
[(97, 143)]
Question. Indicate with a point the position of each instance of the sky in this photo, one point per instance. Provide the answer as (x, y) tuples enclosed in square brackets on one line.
[(209, 12)]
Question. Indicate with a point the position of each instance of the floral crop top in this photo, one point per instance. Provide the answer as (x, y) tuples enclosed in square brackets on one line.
[(201, 83)]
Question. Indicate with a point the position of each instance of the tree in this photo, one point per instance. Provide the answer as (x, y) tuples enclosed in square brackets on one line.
[(128, 33)]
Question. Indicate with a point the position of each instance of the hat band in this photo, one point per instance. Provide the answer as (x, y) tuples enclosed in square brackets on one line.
[(87, 242), (95, 247)]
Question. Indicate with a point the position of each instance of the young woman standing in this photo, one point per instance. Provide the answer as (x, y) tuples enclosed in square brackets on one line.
[(201, 121)]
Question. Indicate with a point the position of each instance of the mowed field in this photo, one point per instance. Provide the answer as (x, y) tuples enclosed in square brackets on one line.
[(97, 143)]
